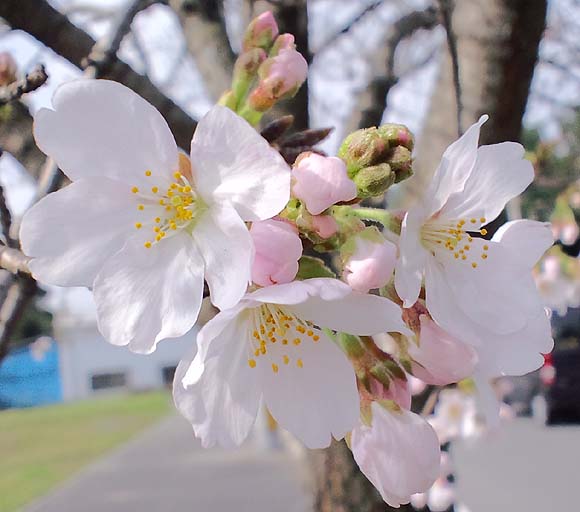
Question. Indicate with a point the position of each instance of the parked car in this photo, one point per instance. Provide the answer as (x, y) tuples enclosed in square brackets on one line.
[(561, 373)]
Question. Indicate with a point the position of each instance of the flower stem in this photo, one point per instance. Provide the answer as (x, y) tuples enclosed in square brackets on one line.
[(385, 218)]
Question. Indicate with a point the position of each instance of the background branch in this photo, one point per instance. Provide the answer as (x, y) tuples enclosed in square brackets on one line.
[(29, 83)]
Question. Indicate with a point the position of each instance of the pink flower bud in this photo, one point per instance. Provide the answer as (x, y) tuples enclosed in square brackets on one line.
[(321, 181), (440, 358), (261, 32), (324, 225), (371, 265), (8, 69), (278, 249), (398, 391), (281, 77), (283, 42)]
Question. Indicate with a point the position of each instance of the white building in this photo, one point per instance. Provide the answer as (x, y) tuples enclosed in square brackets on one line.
[(89, 365)]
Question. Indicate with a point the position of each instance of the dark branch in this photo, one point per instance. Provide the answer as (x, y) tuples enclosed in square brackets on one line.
[(29, 83), (380, 86), (53, 29), (6, 220), (446, 10)]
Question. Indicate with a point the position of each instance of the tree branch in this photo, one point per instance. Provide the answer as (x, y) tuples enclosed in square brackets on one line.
[(446, 9), (54, 30), (29, 83), (373, 101)]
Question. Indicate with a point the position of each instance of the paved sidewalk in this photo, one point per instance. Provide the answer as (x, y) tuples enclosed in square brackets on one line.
[(166, 470)]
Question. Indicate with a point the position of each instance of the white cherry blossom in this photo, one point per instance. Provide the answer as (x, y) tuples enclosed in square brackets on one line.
[(272, 345), (139, 223)]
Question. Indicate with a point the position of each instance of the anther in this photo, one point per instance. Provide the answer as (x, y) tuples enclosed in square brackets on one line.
[(141, 207), (147, 173), (135, 190), (147, 245), (138, 225), (154, 190), (299, 363), (297, 341), (474, 265), (483, 231), (286, 359), (274, 367)]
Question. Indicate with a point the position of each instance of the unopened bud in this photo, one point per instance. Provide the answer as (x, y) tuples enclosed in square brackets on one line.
[(369, 260), (228, 99), (8, 69), (283, 42), (384, 154), (280, 77), (246, 69), (261, 32)]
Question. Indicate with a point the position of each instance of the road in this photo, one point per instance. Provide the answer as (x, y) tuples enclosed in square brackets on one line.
[(166, 470), (524, 467)]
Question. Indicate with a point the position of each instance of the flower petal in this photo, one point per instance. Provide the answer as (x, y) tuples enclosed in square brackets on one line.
[(314, 399), (297, 292), (357, 313), (102, 128), (145, 295), (412, 259), (223, 403), (70, 233), (528, 239), (399, 454), (454, 170), (232, 162), (500, 173), (228, 251), (442, 359)]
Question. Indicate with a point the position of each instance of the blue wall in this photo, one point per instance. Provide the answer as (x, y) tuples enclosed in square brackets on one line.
[(26, 382)]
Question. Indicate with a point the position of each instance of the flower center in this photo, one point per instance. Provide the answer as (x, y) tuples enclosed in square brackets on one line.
[(169, 207), (455, 237), (277, 335)]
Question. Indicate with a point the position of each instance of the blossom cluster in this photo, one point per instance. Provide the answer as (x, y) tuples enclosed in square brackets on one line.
[(330, 351)]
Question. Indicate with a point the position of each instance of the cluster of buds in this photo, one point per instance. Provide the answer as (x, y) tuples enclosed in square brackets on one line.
[(378, 157), (267, 71)]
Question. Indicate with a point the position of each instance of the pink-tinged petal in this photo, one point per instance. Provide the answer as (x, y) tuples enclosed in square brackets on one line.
[(146, 295), (455, 168), (71, 233), (412, 259), (299, 291), (102, 128), (356, 313), (500, 173), (228, 252), (232, 162), (324, 225), (398, 391), (314, 405), (222, 403), (278, 249), (371, 265), (528, 239), (399, 454), (440, 358), (321, 181)]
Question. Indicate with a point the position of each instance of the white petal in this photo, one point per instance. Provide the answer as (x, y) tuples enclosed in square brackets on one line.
[(297, 292), (399, 454), (223, 403), (316, 401), (357, 313), (232, 162), (146, 295), (412, 259), (527, 239), (455, 167), (228, 251), (500, 173), (487, 400), (102, 128), (211, 340), (71, 233)]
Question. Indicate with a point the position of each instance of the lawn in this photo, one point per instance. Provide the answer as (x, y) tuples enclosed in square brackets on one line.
[(41, 447)]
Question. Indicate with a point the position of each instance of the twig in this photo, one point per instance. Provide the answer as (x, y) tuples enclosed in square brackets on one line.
[(6, 220), (348, 27), (430, 402), (29, 83), (13, 260), (380, 86), (446, 10)]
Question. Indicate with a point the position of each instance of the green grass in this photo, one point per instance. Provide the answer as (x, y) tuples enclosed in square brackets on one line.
[(41, 447)]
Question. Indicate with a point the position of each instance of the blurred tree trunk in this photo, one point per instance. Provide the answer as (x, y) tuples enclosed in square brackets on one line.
[(497, 45), (205, 33)]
